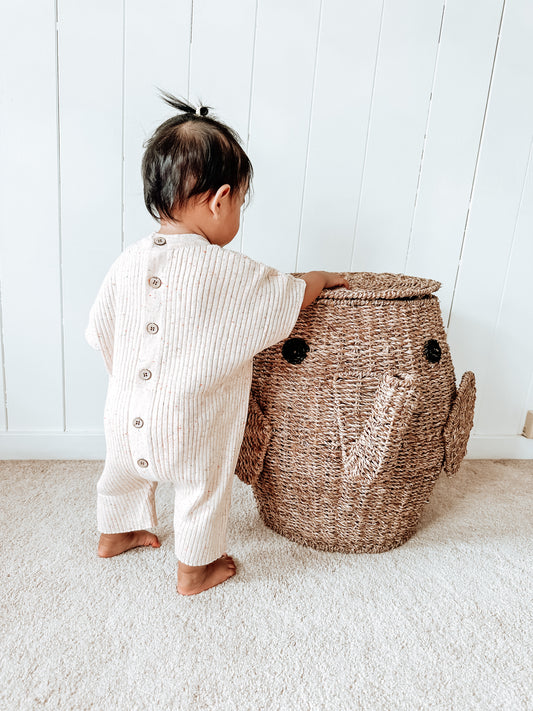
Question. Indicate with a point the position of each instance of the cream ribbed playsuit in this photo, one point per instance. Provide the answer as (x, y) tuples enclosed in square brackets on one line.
[(178, 321)]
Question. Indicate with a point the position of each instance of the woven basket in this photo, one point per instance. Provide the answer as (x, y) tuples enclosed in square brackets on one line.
[(353, 417)]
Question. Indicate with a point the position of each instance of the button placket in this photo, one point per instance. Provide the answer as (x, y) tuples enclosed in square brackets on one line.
[(148, 363)]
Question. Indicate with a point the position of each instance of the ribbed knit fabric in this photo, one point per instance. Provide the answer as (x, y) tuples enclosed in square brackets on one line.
[(178, 325)]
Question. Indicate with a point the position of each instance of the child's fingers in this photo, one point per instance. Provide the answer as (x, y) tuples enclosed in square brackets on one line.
[(335, 279), (343, 282)]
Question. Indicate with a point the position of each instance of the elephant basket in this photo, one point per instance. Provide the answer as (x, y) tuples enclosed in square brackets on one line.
[(354, 416)]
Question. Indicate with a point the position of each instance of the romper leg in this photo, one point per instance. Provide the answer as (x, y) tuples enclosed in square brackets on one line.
[(201, 513), (125, 501)]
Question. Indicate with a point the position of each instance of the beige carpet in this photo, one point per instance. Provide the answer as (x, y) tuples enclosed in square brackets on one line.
[(443, 622)]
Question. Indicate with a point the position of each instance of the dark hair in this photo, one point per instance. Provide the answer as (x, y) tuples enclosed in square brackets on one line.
[(191, 154)]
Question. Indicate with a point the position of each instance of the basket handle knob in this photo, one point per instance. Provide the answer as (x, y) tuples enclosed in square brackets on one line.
[(375, 452), (256, 439)]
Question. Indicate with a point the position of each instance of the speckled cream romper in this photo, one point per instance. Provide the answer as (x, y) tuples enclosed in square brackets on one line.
[(178, 321)]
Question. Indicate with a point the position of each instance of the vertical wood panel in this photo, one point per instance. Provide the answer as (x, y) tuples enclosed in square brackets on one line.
[(6, 103), (462, 81), (488, 254), (3, 402), (528, 402), (29, 230), (341, 104), (157, 40), (285, 53), (406, 62), (510, 365), (226, 31), (90, 92)]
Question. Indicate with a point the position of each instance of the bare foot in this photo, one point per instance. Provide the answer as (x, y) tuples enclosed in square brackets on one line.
[(193, 579), (111, 544)]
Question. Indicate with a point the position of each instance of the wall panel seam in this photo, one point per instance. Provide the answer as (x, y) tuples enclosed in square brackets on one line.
[(123, 129), (426, 131), (252, 70), (59, 217), (507, 270), (311, 107), (528, 405), (190, 54), (370, 112), (4, 381), (250, 107), (513, 238), (476, 166)]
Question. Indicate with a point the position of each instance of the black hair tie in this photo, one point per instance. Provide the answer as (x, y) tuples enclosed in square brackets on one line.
[(202, 111)]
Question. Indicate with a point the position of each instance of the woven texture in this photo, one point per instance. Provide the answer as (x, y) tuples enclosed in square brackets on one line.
[(353, 417)]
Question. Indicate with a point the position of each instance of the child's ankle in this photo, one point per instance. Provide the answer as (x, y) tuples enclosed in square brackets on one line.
[(184, 568)]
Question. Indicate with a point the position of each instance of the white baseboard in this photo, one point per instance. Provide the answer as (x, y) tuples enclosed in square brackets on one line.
[(91, 445), (499, 447), (52, 445)]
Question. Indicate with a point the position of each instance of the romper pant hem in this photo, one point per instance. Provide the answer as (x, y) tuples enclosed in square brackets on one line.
[(199, 559), (126, 512)]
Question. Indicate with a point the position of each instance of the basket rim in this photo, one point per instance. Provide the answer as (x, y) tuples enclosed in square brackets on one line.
[(378, 285)]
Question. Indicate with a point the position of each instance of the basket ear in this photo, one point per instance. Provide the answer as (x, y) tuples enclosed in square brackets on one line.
[(459, 423), (254, 445)]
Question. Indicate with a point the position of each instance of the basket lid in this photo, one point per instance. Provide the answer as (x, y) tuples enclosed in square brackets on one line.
[(369, 285)]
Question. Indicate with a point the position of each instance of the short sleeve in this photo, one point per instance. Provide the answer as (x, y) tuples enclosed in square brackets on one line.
[(273, 304), (285, 294), (100, 330)]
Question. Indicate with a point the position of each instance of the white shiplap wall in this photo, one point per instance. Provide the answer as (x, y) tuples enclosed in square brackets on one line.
[(385, 136)]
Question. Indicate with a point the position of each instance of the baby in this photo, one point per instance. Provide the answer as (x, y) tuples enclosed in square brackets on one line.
[(178, 320)]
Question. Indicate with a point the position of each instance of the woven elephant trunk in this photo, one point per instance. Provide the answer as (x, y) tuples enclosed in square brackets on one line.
[(354, 416)]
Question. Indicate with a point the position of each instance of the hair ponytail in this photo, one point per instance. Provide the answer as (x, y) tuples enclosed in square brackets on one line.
[(182, 105)]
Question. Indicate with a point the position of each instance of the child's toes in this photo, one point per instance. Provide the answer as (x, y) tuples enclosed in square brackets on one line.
[(145, 538)]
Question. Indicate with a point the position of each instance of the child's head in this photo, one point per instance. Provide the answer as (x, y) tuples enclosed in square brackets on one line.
[(193, 161)]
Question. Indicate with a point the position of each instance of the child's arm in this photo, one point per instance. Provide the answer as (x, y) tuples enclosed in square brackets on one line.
[(264, 310), (317, 282), (100, 331)]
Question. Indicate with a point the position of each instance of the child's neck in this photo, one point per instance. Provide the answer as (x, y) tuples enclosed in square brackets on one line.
[(170, 227)]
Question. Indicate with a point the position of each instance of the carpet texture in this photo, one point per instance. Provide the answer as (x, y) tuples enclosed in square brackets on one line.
[(442, 622)]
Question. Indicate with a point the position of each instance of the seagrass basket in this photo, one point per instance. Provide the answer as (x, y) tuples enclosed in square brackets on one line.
[(354, 416)]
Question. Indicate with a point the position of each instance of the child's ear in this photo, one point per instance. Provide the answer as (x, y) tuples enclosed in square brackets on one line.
[(221, 194)]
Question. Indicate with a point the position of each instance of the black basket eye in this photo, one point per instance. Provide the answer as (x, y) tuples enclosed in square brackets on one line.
[(432, 351), (295, 350)]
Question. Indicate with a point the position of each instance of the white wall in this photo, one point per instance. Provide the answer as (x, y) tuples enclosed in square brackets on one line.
[(385, 136)]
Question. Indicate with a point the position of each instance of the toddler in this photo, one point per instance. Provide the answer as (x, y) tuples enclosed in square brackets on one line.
[(178, 320)]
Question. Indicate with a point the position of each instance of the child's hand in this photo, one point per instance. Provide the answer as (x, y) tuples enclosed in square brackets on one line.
[(316, 281), (333, 279)]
